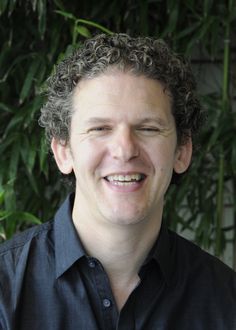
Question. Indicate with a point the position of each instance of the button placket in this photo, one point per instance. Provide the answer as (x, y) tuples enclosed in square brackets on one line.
[(106, 304)]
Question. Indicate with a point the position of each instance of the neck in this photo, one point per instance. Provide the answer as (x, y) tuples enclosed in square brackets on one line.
[(120, 248)]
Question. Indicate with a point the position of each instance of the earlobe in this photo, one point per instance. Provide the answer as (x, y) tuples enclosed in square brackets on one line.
[(183, 157), (62, 155)]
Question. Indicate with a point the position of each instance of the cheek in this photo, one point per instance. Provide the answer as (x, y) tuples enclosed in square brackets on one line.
[(162, 156), (87, 157)]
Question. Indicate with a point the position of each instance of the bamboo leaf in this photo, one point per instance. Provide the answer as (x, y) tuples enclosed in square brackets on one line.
[(206, 7), (4, 53), (42, 10), (43, 156), (6, 108), (173, 18), (11, 7), (59, 4), (30, 110), (204, 28), (33, 182), (3, 6), (31, 158), (10, 196), (215, 33), (233, 157), (2, 193), (26, 217), (96, 25), (65, 14), (41, 75), (34, 4), (191, 5), (2, 234), (55, 42), (4, 215), (185, 32), (5, 143), (83, 31), (15, 153), (29, 80), (16, 62), (24, 149), (28, 153), (14, 122)]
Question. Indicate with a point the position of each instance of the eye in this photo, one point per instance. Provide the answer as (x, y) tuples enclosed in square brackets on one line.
[(148, 129), (99, 129)]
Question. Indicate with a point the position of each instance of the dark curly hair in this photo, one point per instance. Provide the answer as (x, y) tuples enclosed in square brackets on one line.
[(140, 56)]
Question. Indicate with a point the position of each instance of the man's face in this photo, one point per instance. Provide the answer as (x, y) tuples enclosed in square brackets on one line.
[(123, 148)]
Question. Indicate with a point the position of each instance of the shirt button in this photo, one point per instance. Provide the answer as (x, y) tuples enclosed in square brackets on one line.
[(106, 303), (91, 263)]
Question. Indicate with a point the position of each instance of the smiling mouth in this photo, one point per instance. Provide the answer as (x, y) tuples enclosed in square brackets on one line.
[(125, 180)]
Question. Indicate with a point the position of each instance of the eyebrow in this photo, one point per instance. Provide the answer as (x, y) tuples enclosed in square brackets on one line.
[(97, 120), (156, 120), (146, 120)]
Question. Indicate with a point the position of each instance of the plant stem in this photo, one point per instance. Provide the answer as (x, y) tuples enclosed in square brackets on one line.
[(231, 8), (234, 217), (220, 205), (225, 96), (225, 100)]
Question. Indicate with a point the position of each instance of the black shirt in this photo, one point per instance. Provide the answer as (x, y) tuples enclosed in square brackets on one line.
[(47, 282)]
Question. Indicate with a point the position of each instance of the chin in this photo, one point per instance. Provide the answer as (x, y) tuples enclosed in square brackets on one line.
[(125, 219)]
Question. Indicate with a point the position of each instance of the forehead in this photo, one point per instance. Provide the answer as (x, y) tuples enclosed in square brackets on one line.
[(118, 94)]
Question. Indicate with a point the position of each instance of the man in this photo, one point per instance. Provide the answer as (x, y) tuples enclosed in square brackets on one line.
[(121, 116)]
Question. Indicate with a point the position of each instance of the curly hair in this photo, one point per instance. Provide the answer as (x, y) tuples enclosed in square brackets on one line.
[(141, 56), (145, 56)]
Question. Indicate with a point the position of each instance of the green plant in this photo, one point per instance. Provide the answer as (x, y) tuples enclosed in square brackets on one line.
[(212, 176), (30, 182)]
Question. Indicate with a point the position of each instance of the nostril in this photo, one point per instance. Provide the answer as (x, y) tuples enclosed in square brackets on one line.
[(123, 144), (125, 150)]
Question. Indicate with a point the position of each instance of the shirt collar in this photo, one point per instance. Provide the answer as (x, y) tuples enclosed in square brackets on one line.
[(162, 253), (68, 248)]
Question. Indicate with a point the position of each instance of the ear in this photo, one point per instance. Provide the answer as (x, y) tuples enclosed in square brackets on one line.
[(183, 157), (62, 155)]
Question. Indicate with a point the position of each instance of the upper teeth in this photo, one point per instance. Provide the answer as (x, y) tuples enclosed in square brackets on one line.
[(118, 177)]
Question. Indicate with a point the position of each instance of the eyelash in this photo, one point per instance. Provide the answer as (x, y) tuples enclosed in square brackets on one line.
[(148, 129), (103, 129), (99, 129)]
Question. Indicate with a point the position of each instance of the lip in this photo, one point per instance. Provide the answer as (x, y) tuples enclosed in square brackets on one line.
[(125, 173)]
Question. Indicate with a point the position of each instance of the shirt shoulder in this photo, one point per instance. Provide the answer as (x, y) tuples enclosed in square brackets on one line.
[(18, 241), (200, 265)]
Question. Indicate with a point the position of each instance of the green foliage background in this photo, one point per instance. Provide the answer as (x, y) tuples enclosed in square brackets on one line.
[(36, 34)]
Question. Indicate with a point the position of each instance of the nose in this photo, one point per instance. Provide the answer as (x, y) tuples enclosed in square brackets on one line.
[(123, 145)]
